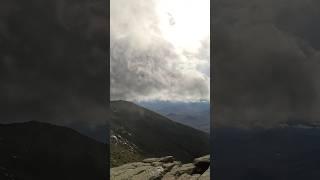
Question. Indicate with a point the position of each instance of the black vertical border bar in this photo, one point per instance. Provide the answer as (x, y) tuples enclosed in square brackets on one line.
[(107, 85), (211, 91)]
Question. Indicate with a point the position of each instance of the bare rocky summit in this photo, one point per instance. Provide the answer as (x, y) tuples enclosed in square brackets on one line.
[(164, 168)]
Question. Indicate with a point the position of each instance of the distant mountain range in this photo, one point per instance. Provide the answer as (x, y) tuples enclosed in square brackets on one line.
[(144, 133), (37, 151), (194, 114)]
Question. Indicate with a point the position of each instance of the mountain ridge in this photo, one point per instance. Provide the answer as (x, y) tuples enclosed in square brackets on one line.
[(193, 114), (155, 135), (37, 150)]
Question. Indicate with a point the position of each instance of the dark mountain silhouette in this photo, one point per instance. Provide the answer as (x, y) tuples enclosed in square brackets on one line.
[(153, 135), (37, 151), (264, 154)]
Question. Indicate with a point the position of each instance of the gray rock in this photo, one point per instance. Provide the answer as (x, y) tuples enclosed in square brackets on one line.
[(203, 159), (195, 176), (184, 177), (128, 173), (202, 164), (151, 160), (164, 168), (149, 174), (118, 170), (189, 177), (169, 177), (172, 173), (205, 175), (157, 163), (186, 169), (168, 165), (167, 159)]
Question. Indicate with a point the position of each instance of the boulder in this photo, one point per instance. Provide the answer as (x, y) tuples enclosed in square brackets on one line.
[(205, 175), (186, 169), (164, 168), (149, 174), (165, 159), (202, 164), (203, 159)]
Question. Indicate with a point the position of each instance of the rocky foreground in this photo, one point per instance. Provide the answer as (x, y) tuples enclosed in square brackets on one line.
[(165, 168)]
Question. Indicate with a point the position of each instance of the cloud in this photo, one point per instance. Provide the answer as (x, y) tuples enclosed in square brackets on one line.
[(265, 63), (52, 61), (146, 66)]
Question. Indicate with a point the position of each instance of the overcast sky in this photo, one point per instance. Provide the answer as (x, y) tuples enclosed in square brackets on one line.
[(52, 61), (160, 50), (266, 58), (266, 62)]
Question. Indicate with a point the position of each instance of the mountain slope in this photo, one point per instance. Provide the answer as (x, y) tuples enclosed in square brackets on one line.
[(34, 151), (193, 114), (198, 120), (154, 135)]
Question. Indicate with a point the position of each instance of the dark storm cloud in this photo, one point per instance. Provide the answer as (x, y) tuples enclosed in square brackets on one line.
[(52, 61), (266, 62)]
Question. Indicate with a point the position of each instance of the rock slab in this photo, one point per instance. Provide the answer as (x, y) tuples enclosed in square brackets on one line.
[(164, 168)]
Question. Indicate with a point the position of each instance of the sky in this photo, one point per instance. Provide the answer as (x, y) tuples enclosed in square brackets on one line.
[(266, 62), (160, 50), (266, 58), (52, 61)]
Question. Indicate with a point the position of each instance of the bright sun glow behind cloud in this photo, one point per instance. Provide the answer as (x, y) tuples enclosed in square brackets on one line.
[(160, 50), (184, 23)]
